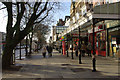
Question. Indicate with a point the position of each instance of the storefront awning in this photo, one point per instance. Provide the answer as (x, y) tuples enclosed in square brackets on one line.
[(107, 11), (115, 32)]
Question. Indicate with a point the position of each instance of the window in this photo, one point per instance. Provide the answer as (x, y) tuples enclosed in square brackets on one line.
[(84, 11), (77, 16), (73, 19)]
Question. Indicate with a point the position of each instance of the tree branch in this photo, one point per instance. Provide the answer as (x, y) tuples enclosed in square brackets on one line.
[(3, 8), (36, 6), (41, 19), (45, 7), (19, 16), (44, 16)]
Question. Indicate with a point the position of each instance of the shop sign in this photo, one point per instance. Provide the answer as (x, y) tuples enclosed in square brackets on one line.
[(113, 40), (90, 31), (83, 34), (96, 29)]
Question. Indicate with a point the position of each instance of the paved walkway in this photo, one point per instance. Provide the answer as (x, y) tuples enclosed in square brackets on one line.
[(60, 66)]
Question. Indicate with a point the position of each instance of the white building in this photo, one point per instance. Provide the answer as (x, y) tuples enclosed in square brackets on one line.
[(2, 41)]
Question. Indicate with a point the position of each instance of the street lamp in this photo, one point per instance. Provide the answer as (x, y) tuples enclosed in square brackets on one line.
[(79, 48), (67, 45), (72, 46), (20, 51), (30, 35), (93, 56)]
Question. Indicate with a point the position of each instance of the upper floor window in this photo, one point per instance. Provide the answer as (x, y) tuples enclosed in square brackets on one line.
[(84, 11), (77, 16), (73, 19), (97, 3)]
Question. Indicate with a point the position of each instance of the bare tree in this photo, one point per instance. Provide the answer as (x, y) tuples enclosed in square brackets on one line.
[(26, 15), (40, 32)]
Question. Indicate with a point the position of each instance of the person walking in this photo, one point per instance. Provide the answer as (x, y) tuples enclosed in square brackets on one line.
[(44, 51), (89, 48), (76, 49), (49, 49), (83, 49)]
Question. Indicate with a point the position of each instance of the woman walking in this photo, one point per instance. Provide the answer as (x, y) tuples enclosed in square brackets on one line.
[(44, 51), (89, 48), (49, 49)]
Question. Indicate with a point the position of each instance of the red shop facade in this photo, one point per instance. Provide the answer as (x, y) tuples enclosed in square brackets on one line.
[(100, 39)]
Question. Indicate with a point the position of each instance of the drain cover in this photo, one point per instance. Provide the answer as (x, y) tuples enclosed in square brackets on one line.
[(78, 69), (65, 64)]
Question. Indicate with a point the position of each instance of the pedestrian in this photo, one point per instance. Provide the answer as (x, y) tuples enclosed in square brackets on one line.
[(83, 49), (76, 49), (44, 51), (60, 47), (49, 49), (89, 48)]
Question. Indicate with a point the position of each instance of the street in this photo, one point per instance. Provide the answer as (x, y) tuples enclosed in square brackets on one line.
[(82, 38), (60, 66)]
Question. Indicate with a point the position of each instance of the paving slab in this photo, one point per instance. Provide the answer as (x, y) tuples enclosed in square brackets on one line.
[(62, 67)]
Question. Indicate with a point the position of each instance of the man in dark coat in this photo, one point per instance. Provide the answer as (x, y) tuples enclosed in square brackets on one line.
[(49, 49), (76, 49)]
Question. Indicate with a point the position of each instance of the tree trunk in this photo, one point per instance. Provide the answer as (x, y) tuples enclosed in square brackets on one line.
[(7, 56)]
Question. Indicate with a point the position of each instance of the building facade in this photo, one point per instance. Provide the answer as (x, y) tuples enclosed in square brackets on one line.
[(59, 28), (81, 16), (2, 41)]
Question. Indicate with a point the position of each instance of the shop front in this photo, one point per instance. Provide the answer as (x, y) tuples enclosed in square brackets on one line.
[(84, 38), (115, 46), (100, 39), (114, 38)]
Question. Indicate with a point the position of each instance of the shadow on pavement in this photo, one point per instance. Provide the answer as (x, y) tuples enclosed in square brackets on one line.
[(60, 79)]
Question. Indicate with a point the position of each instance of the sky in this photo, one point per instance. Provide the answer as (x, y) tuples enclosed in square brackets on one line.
[(59, 14), (3, 19), (64, 11)]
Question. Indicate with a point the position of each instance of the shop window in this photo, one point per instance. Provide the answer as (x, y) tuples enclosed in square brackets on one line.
[(102, 45), (100, 42)]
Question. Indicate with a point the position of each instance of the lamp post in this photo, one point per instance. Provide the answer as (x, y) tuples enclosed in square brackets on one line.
[(72, 49), (67, 46), (26, 46), (30, 35), (14, 56), (80, 62), (62, 47), (93, 56), (20, 52)]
